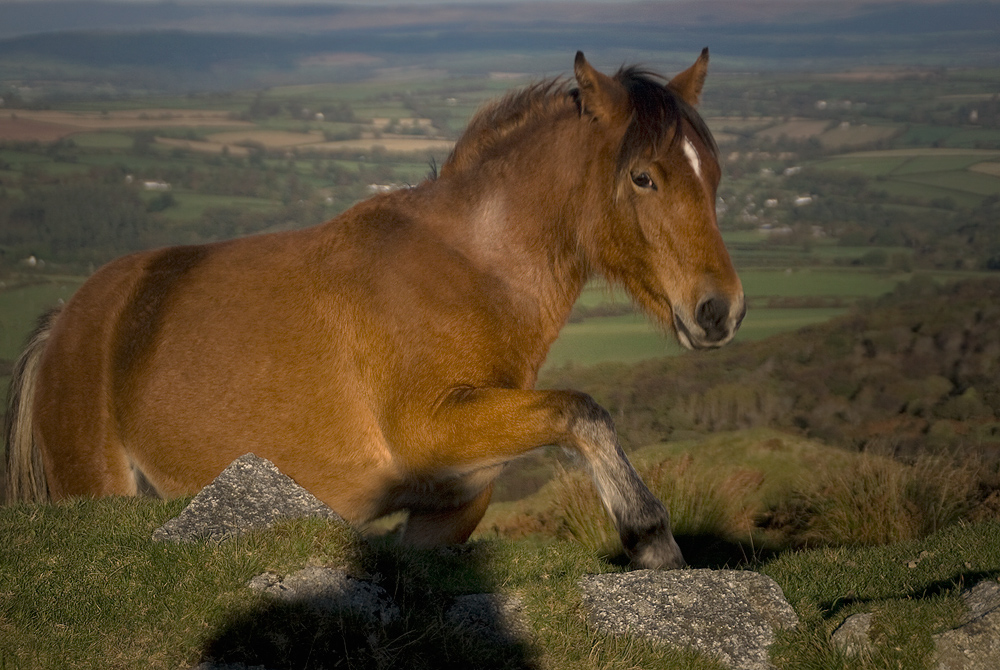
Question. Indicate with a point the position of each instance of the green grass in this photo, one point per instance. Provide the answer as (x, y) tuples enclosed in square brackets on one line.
[(934, 164), (962, 182), (627, 338), (18, 160), (868, 167), (632, 337), (923, 174), (763, 322), (909, 604), (929, 192)]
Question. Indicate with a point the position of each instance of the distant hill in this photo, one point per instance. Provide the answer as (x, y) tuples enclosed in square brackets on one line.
[(211, 41)]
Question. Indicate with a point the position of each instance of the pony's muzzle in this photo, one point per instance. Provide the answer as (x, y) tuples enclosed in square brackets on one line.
[(716, 321)]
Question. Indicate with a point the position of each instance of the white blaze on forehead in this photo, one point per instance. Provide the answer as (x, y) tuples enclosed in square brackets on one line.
[(692, 156)]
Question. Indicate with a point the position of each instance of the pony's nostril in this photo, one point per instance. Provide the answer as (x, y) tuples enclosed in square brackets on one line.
[(712, 315)]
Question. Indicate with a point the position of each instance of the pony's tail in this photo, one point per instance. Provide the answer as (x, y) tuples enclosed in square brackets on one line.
[(25, 471)]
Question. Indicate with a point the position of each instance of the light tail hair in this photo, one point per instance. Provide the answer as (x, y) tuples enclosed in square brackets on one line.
[(25, 471)]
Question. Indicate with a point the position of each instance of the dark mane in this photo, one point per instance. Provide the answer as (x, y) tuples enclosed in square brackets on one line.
[(657, 110), (498, 119)]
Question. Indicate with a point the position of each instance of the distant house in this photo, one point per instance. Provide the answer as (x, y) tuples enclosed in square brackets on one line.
[(156, 185)]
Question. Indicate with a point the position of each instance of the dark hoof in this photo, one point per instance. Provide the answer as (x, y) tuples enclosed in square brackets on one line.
[(654, 547), (658, 553)]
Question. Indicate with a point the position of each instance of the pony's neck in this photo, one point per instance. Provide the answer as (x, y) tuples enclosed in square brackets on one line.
[(521, 223), (531, 250)]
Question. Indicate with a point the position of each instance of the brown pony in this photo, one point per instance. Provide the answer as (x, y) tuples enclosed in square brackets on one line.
[(385, 360)]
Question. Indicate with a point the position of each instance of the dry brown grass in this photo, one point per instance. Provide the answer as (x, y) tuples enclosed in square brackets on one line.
[(50, 125), (700, 504), (395, 145), (767, 490), (877, 500), (135, 118), (987, 168), (17, 129)]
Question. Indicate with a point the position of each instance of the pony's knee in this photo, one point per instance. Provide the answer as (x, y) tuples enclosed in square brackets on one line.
[(590, 419)]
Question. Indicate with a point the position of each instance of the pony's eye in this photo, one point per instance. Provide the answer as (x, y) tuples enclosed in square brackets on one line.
[(643, 180)]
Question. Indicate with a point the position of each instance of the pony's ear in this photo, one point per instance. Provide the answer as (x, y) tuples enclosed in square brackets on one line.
[(600, 95), (688, 83)]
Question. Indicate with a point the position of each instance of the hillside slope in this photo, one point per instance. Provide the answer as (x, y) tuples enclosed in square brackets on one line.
[(916, 370)]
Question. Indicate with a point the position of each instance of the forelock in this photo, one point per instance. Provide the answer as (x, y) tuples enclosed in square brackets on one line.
[(656, 111)]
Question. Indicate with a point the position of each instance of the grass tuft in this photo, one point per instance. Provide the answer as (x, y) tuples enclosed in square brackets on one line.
[(876, 500)]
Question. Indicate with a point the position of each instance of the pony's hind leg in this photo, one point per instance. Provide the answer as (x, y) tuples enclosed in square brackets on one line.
[(490, 426), (432, 528), (93, 472)]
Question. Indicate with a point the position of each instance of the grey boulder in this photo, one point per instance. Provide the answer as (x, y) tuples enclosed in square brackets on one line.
[(730, 615), (250, 494), (974, 645)]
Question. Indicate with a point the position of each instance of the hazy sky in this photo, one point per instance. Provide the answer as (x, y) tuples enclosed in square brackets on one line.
[(342, 2)]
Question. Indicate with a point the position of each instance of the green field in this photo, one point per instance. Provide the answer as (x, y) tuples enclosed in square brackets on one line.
[(190, 205), (632, 338), (22, 301), (923, 174), (803, 282)]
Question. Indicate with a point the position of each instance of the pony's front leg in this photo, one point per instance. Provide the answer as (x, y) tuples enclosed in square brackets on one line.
[(479, 427)]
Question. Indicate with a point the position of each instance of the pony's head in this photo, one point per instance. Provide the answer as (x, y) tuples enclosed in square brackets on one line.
[(658, 235)]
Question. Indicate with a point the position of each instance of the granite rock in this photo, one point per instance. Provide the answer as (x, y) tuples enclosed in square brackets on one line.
[(492, 617), (852, 636), (975, 644), (249, 494), (730, 615), (329, 590)]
